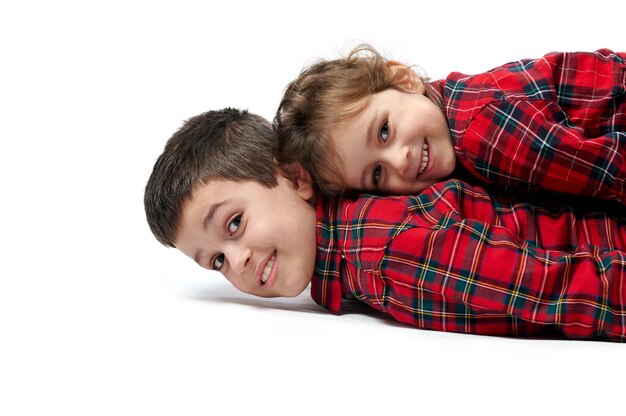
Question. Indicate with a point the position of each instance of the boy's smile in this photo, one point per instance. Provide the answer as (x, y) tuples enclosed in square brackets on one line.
[(261, 239), (399, 144)]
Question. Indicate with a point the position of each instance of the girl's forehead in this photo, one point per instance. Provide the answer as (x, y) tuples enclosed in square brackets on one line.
[(353, 108), (343, 120)]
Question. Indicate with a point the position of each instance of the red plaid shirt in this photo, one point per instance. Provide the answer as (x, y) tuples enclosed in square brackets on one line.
[(454, 259), (558, 123)]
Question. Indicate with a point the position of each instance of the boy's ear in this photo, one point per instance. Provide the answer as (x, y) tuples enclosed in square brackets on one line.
[(300, 178), (406, 77)]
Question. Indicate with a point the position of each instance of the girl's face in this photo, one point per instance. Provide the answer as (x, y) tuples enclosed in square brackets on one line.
[(400, 144)]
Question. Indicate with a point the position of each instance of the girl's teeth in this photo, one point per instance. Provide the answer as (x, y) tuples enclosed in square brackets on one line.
[(424, 159), (267, 270)]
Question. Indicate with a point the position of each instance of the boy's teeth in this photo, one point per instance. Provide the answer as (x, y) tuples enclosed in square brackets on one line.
[(424, 159), (267, 270)]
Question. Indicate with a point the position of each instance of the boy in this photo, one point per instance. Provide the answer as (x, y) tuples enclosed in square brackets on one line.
[(365, 123), (450, 259)]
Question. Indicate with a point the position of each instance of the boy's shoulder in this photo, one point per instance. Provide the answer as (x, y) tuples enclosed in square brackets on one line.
[(356, 210), (391, 212)]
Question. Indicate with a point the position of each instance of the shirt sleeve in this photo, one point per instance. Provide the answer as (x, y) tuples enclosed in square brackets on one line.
[(535, 146), (559, 124), (485, 269)]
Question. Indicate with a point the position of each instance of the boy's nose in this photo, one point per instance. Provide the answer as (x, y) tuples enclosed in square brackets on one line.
[(240, 259)]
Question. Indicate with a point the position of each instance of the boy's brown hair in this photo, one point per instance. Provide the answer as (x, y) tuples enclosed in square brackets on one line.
[(326, 94), (226, 144)]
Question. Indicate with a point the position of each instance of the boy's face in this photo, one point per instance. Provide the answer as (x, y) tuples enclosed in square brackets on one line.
[(263, 240), (399, 144)]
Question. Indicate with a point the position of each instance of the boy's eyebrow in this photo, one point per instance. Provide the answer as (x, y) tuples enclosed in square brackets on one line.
[(207, 219), (211, 212)]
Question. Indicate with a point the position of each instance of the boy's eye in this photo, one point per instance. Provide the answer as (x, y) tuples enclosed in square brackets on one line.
[(376, 174), (217, 262), (233, 225), (383, 134)]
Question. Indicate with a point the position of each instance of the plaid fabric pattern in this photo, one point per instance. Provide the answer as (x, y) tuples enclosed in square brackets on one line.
[(455, 259), (557, 123)]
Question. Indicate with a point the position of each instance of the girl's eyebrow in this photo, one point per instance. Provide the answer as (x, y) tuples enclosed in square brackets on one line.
[(372, 123), (368, 141)]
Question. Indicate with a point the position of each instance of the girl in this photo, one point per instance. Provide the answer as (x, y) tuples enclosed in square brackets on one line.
[(370, 124)]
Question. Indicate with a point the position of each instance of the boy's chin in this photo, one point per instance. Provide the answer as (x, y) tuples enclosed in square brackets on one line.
[(295, 291), (285, 293)]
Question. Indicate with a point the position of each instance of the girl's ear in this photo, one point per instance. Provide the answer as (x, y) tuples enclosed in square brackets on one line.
[(300, 178), (406, 77)]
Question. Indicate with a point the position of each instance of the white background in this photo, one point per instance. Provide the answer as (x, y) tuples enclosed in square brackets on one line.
[(96, 318)]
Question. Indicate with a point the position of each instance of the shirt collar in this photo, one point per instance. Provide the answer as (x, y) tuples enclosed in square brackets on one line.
[(326, 282), (437, 89)]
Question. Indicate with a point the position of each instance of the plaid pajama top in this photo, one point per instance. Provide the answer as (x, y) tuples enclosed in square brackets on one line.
[(455, 259), (558, 123)]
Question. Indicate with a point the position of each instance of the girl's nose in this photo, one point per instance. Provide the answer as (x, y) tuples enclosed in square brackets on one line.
[(399, 158)]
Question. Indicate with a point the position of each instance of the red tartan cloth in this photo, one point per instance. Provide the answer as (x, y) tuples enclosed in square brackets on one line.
[(455, 259), (558, 123)]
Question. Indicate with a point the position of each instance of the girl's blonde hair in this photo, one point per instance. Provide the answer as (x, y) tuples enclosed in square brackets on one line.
[(326, 94)]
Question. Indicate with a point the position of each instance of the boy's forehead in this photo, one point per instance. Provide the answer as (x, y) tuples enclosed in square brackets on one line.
[(202, 195), (216, 186), (217, 190), (210, 190)]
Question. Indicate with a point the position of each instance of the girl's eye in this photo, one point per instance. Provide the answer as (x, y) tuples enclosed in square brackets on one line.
[(376, 174), (233, 224), (217, 262), (383, 134)]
